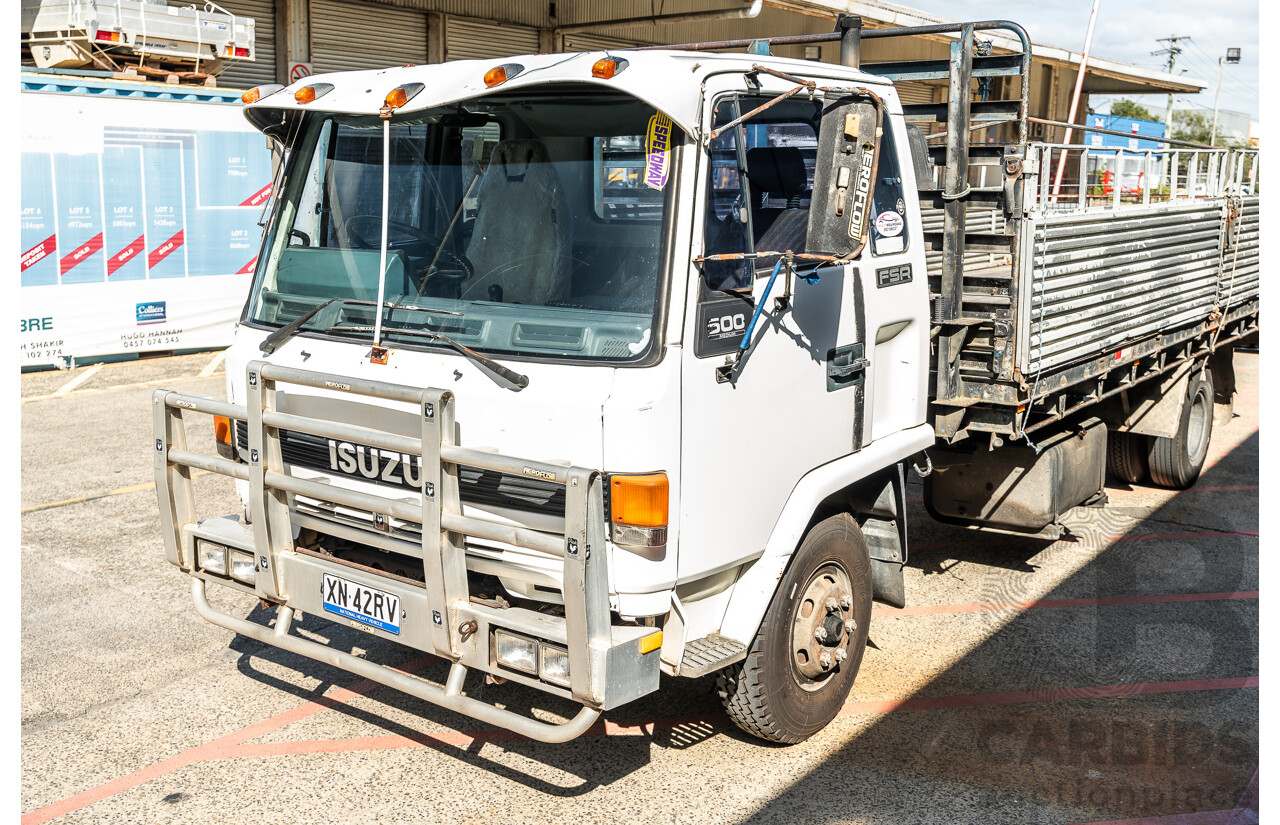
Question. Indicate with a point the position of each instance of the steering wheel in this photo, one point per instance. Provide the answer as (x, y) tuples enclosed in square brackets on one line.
[(449, 265)]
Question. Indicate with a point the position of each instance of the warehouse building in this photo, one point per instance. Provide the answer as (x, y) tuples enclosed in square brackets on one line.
[(335, 35)]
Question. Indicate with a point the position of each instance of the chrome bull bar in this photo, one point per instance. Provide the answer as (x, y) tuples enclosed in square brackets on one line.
[(459, 628)]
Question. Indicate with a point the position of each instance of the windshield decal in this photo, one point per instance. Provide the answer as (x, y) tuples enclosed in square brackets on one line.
[(657, 166)]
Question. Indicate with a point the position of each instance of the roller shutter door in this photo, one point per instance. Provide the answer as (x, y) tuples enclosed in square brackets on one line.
[(914, 92), (347, 35), (245, 74), (596, 43), (477, 39)]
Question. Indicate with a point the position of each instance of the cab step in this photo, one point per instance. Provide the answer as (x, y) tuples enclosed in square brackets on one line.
[(709, 654)]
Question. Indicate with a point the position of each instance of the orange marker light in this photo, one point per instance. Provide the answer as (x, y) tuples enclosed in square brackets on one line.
[(396, 98), (222, 429), (495, 76), (604, 67), (402, 94), (639, 501), (251, 96), (309, 93)]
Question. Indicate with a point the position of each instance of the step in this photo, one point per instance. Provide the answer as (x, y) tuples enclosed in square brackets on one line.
[(709, 654)]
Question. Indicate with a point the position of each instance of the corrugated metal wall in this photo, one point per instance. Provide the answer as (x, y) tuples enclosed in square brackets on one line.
[(347, 35), (586, 42), (1098, 280), (246, 74), (474, 39), (1240, 262)]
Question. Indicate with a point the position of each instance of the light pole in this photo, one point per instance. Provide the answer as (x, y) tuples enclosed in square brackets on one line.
[(1233, 56)]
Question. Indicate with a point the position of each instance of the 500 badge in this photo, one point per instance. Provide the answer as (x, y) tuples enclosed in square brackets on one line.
[(721, 325)]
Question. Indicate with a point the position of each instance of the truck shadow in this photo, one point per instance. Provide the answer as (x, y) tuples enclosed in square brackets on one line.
[(1016, 729), (1084, 712)]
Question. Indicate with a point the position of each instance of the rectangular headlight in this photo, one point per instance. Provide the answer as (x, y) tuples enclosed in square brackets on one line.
[(242, 566), (211, 557), (555, 665), (516, 652)]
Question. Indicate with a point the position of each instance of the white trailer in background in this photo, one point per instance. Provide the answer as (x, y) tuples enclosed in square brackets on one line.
[(140, 209), (109, 35), (727, 302)]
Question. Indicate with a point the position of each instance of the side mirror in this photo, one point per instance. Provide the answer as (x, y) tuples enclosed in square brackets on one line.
[(843, 176)]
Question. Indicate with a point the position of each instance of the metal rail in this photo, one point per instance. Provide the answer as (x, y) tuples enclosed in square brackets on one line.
[(449, 696), (444, 528)]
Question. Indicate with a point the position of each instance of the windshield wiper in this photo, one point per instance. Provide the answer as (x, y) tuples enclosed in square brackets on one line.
[(275, 339), (503, 376)]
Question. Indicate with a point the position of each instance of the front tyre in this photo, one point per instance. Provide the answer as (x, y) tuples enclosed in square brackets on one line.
[(803, 661)]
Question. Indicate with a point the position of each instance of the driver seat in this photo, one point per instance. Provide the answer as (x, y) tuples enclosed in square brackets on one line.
[(522, 239)]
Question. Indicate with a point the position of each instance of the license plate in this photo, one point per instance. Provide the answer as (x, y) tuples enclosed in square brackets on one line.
[(367, 605)]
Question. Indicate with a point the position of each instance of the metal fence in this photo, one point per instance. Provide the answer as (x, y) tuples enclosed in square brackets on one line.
[(1077, 176)]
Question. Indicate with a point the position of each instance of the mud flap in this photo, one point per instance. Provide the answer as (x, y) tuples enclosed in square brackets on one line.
[(885, 529)]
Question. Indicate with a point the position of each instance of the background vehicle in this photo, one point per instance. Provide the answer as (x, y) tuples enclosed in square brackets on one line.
[(725, 372)]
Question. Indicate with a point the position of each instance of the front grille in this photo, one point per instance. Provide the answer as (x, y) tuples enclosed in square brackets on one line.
[(475, 485)]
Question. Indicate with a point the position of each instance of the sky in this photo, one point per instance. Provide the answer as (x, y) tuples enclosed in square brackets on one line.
[(1127, 31)]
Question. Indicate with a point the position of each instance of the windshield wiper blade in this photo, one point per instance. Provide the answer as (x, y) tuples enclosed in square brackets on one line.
[(502, 375), (275, 339)]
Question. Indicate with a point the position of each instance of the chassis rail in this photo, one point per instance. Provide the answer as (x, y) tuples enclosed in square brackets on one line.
[(458, 628)]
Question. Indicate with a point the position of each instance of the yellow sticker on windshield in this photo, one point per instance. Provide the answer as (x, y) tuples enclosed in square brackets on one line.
[(657, 148)]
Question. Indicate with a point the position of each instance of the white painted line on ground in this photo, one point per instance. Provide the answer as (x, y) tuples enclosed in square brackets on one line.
[(69, 387), (213, 364)]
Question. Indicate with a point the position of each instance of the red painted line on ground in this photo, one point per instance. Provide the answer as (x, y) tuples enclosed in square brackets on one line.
[(1114, 539), (649, 726), (1100, 601), (216, 749), (976, 700)]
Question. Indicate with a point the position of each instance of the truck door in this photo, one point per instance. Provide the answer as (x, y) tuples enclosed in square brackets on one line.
[(795, 401)]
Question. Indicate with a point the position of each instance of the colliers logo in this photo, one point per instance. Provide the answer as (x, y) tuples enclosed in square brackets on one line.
[(151, 312)]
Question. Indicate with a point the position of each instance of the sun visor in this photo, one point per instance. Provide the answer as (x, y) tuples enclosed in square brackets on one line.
[(649, 76)]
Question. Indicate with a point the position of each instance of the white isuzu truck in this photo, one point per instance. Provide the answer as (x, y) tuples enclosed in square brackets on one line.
[(576, 369)]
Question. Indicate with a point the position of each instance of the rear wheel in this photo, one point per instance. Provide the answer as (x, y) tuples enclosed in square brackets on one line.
[(1127, 456), (1176, 461), (807, 652)]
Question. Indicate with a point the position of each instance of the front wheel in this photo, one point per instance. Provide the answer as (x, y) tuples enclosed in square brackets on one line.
[(804, 658)]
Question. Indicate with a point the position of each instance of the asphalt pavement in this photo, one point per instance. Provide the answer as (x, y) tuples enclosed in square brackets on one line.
[(1109, 676)]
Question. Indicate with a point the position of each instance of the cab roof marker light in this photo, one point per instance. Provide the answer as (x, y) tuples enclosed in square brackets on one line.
[(259, 92), (402, 94), (501, 74), (307, 94), (609, 67)]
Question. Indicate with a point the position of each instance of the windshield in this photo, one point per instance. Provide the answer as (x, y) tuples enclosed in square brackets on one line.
[(537, 223)]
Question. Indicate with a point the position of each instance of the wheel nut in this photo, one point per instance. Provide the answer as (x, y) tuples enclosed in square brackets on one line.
[(820, 634), (841, 655), (831, 605), (825, 661), (850, 625), (845, 600)]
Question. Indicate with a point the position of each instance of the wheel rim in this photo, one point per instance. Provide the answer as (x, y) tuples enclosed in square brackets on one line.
[(1198, 424), (822, 625)]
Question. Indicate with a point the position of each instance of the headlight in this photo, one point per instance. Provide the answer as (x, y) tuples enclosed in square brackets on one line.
[(516, 652), (212, 557), (242, 566), (555, 665)]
